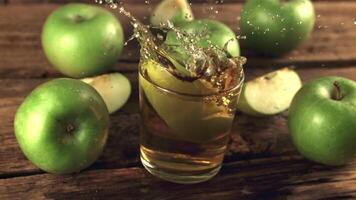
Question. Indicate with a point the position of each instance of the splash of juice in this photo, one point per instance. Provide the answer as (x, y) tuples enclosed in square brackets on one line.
[(188, 96), (186, 61)]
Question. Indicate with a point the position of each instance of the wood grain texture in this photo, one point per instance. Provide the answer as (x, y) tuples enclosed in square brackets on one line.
[(267, 178), (134, 1), (332, 42), (251, 137), (261, 162)]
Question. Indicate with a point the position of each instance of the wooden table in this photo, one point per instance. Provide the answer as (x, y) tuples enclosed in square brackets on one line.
[(261, 162)]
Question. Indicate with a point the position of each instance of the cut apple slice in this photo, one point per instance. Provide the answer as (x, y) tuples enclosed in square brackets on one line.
[(114, 88), (176, 11), (188, 117), (269, 94), (160, 76)]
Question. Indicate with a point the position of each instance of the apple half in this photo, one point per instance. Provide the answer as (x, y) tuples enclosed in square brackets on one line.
[(189, 117), (160, 76), (176, 11), (269, 94), (114, 88)]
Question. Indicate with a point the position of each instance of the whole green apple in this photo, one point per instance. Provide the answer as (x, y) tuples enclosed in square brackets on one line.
[(62, 126), (322, 120), (81, 40), (214, 32), (275, 27)]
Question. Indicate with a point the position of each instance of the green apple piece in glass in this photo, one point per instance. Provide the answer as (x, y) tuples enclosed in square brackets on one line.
[(275, 27), (269, 94), (322, 120), (192, 120), (62, 126), (114, 88), (215, 33), (82, 40), (175, 11), (163, 78)]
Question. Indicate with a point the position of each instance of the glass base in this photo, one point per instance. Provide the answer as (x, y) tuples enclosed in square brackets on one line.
[(182, 179)]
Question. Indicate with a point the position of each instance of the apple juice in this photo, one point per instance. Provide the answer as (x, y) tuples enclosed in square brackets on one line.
[(185, 119), (184, 137), (188, 98)]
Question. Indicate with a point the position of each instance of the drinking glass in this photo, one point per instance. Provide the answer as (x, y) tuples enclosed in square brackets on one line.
[(183, 137)]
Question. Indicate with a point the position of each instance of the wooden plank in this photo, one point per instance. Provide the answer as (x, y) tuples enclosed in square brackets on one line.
[(288, 178), (139, 1), (268, 166), (332, 42), (86, 1), (251, 137)]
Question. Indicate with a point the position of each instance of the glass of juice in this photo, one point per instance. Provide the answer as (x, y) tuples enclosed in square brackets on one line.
[(188, 97), (186, 121)]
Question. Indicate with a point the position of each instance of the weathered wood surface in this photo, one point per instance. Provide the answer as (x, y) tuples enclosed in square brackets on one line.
[(267, 178), (260, 136), (261, 162), (129, 1), (332, 42)]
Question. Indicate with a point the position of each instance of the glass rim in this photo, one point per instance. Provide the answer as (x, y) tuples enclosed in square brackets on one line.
[(172, 92)]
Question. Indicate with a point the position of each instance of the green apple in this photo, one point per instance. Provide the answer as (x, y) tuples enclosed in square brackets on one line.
[(162, 77), (275, 27), (114, 88), (81, 40), (269, 94), (215, 33), (176, 11), (62, 126), (322, 120)]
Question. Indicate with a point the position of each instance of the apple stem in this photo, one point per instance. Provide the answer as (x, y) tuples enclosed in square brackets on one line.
[(337, 91), (70, 128), (78, 18)]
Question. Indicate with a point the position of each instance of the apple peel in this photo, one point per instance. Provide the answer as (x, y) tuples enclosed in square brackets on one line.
[(160, 76)]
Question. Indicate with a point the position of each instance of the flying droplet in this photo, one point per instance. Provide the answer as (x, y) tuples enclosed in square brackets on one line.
[(113, 5)]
